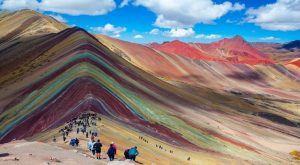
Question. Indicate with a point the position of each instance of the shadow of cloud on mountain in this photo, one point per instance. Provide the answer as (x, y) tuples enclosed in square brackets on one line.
[(252, 76), (277, 119)]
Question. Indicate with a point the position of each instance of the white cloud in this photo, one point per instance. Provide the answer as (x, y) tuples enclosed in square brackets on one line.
[(124, 3), (238, 7), (270, 38), (58, 18), (180, 32), (19, 4), (71, 7), (283, 15), (154, 31), (109, 29), (231, 21), (209, 36), (138, 36), (186, 13), (116, 36)]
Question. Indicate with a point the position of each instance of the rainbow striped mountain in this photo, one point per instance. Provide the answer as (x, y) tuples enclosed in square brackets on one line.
[(227, 102)]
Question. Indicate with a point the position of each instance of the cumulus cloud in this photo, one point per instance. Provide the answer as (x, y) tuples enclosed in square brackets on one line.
[(154, 31), (58, 17), (19, 4), (270, 38), (71, 7), (186, 13), (180, 32), (116, 36), (283, 15), (109, 29), (208, 36), (124, 3), (138, 36)]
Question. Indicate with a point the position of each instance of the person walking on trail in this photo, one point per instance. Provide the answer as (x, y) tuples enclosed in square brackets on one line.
[(132, 153), (90, 145), (64, 138), (114, 146), (126, 154), (93, 149), (87, 134), (111, 152), (76, 141), (97, 146), (77, 130)]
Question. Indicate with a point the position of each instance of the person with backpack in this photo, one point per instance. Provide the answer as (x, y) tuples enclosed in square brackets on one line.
[(132, 153), (93, 149), (76, 141), (114, 145), (97, 147), (72, 142), (111, 152), (126, 154)]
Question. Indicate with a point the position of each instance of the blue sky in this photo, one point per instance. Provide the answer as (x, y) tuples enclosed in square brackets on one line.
[(186, 20)]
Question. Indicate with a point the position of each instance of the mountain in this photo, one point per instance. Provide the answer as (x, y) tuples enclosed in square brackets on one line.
[(178, 103), (292, 45), (232, 50), (277, 52)]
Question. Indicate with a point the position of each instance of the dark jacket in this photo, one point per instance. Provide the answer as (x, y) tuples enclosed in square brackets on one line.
[(111, 151), (97, 146)]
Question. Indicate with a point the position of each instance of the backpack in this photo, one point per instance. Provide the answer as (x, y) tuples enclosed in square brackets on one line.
[(132, 152)]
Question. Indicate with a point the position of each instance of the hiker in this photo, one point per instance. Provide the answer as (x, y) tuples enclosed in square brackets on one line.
[(64, 138), (76, 141), (77, 130), (54, 139), (87, 135), (132, 153), (90, 145), (114, 146), (93, 149), (126, 154), (111, 152), (97, 146), (72, 142)]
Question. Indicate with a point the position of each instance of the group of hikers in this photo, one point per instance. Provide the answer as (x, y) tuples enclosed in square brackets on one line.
[(95, 148), (87, 120)]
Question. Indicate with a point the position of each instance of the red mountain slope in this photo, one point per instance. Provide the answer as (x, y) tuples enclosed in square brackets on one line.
[(233, 50)]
